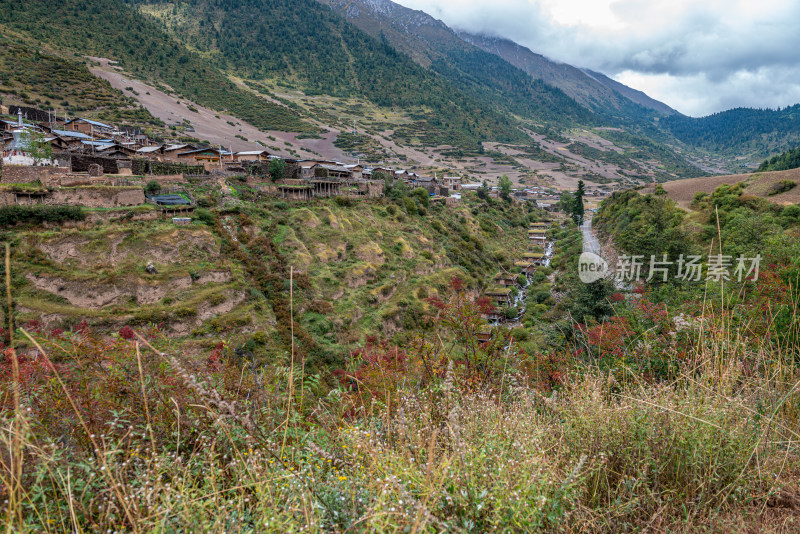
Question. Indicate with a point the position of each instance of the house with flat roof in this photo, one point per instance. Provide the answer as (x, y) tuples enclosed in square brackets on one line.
[(208, 157), (253, 155), (453, 183), (535, 258), (89, 127), (506, 280), (501, 296)]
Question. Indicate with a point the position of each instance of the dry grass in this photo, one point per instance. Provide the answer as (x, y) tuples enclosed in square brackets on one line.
[(155, 441), (760, 184)]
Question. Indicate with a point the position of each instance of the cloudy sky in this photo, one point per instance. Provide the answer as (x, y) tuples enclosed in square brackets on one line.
[(698, 56)]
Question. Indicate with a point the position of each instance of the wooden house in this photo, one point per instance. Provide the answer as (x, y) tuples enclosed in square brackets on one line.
[(506, 280), (295, 190), (356, 171), (10, 126), (253, 155), (325, 170), (485, 334), (307, 169), (172, 152), (381, 172), (89, 127), (527, 267), (538, 237), (210, 158), (536, 258), (501, 296), (152, 152), (115, 151)]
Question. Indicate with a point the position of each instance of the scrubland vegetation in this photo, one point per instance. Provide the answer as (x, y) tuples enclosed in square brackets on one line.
[(661, 407), (127, 433)]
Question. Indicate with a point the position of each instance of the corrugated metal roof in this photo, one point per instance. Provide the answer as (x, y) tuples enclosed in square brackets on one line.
[(67, 133), (335, 168), (199, 150), (149, 149), (93, 123), (15, 123), (96, 144)]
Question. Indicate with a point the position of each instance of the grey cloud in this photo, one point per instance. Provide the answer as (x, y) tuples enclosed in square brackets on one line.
[(740, 56)]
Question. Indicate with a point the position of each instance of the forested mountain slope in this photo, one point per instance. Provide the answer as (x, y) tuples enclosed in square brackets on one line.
[(32, 76), (741, 130), (486, 77), (783, 162), (305, 44), (112, 29), (441, 91)]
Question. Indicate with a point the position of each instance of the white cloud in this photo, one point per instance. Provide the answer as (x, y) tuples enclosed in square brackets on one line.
[(699, 57)]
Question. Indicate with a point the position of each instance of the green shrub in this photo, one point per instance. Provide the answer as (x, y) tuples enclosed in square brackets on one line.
[(519, 334), (11, 215), (411, 207), (205, 202), (422, 196), (205, 216), (541, 296), (792, 212), (782, 187), (152, 188)]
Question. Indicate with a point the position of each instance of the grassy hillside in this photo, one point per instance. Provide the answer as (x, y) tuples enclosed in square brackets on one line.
[(112, 29), (362, 269), (774, 186), (32, 77)]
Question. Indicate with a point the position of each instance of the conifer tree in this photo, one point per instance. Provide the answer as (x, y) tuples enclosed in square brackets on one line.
[(577, 206)]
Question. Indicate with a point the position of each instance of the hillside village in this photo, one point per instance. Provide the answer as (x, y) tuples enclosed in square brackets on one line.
[(104, 168), (59, 153)]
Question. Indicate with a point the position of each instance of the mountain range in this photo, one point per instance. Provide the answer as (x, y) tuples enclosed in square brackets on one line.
[(422, 92)]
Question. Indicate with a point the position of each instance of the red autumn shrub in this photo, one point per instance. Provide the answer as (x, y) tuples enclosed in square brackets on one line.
[(126, 332)]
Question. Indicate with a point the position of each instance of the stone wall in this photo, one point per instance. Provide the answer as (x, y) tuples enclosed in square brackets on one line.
[(23, 174), (373, 189), (98, 197), (90, 197), (81, 163)]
